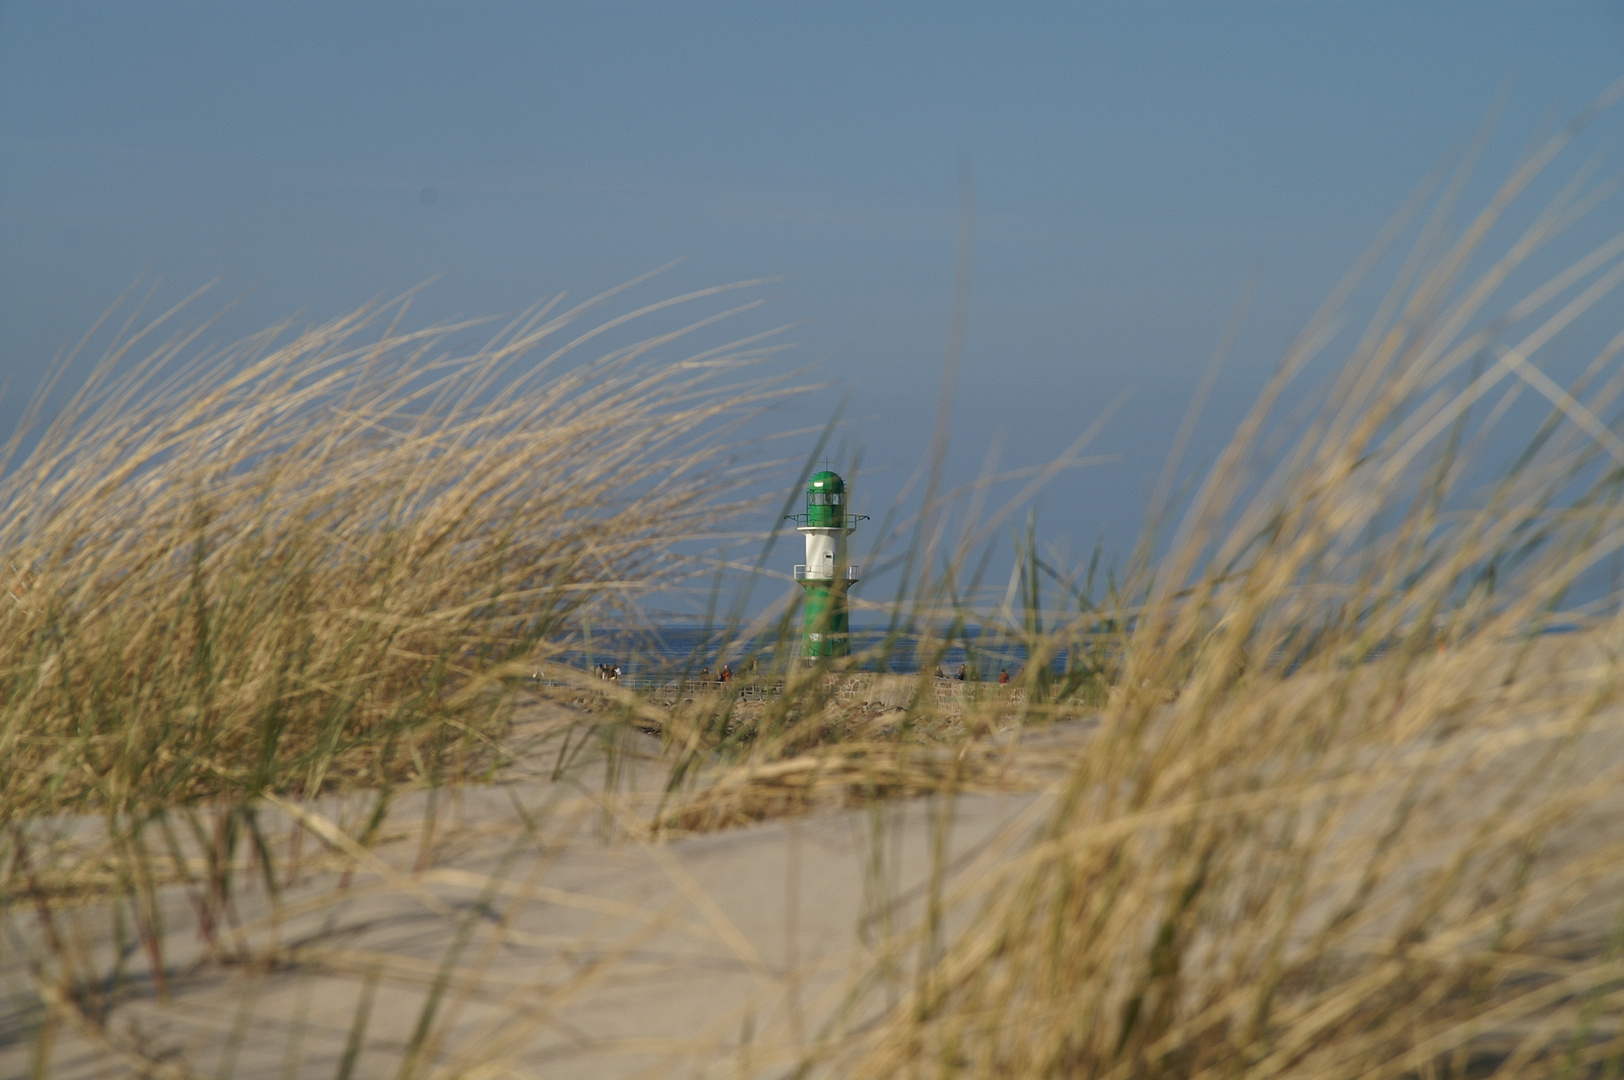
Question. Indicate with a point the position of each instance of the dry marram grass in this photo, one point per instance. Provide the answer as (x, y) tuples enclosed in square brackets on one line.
[(1316, 796)]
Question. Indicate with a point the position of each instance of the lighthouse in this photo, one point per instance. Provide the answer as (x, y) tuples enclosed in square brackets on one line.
[(826, 575)]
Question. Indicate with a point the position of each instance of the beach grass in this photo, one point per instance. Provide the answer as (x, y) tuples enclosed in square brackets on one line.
[(1331, 785), (297, 562), (1345, 801)]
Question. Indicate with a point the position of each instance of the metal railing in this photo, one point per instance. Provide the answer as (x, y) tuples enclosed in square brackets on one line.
[(847, 522), (853, 572)]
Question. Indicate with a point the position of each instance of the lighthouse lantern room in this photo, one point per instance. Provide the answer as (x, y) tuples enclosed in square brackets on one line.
[(826, 575)]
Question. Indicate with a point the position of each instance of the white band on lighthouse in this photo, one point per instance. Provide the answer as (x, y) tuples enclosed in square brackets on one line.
[(821, 551)]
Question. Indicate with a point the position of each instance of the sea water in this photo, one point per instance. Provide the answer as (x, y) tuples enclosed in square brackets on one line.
[(673, 650)]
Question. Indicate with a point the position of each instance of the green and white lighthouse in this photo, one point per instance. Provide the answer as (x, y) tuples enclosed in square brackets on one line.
[(826, 575)]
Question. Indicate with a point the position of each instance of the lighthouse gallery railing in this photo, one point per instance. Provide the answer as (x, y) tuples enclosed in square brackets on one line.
[(853, 572)]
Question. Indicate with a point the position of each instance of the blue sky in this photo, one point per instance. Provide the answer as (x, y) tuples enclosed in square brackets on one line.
[(1134, 164)]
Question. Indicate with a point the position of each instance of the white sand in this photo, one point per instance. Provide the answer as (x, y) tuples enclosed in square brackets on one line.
[(587, 958)]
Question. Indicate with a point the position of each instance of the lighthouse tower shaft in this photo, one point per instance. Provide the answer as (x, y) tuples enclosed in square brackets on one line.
[(827, 575)]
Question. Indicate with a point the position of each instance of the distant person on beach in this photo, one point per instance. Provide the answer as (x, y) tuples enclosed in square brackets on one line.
[(727, 673), (1003, 675), (615, 674), (963, 669), (939, 674), (704, 672)]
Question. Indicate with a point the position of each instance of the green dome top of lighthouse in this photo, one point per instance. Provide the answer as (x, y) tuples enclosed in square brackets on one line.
[(825, 482), (826, 504), (825, 501)]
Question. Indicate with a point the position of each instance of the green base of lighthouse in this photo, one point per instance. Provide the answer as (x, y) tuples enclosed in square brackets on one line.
[(826, 628)]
